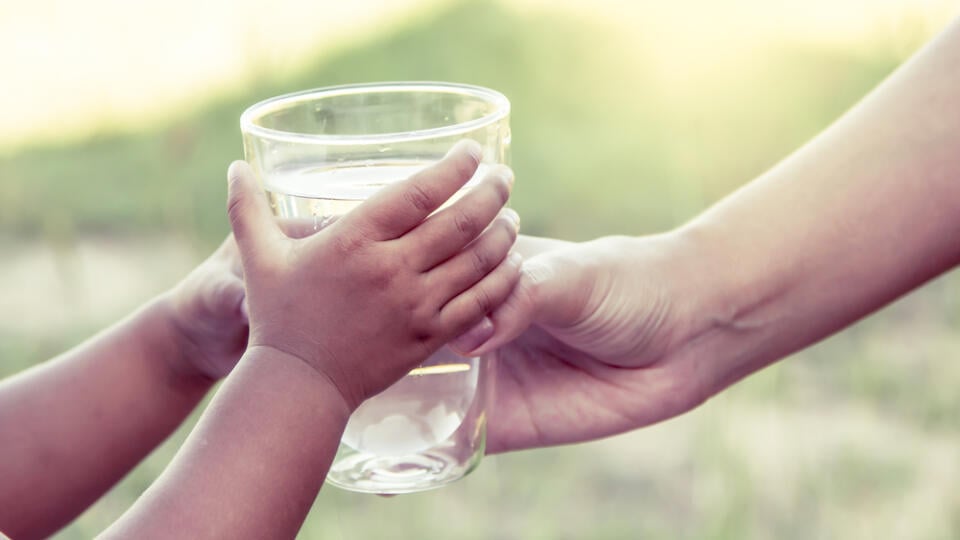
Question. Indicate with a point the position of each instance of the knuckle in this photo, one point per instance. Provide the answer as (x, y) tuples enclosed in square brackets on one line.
[(383, 277), (418, 197), (412, 308), (422, 327), (480, 261), (347, 243), (414, 312), (483, 302), (387, 272), (425, 343), (465, 223)]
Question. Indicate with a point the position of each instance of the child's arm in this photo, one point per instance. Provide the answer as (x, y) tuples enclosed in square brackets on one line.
[(72, 427), (335, 318)]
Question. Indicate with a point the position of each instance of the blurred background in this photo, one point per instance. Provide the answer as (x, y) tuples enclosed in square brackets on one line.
[(119, 120)]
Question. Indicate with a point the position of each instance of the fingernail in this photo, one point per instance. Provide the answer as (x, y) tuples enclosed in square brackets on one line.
[(504, 173), (474, 337), (233, 171), (469, 146), (509, 177), (515, 258), (513, 217)]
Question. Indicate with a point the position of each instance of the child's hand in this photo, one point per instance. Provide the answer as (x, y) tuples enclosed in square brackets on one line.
[(371, 296), (208, 314)]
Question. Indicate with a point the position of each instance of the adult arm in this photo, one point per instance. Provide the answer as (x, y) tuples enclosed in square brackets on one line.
[(613, 334), (866, 212)]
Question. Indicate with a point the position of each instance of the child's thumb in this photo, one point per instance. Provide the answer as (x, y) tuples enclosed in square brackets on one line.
[(250, 218)]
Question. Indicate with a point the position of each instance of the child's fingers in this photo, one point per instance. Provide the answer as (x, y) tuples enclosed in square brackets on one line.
[(543, 290), (253, 224), (477, 260), (469, 307), (445, 233), (505, 323), (472, 339), (399, 207)]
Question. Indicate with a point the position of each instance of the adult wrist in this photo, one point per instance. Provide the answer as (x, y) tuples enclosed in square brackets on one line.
[(734, 303)]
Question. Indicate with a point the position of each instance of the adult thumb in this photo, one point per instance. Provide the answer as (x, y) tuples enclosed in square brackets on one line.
[(540, 291), (250, 218)]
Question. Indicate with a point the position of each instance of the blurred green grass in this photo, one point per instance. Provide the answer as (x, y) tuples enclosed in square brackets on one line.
[(600, 146)]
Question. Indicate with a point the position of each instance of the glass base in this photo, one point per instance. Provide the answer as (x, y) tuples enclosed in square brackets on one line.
[(394, 475)]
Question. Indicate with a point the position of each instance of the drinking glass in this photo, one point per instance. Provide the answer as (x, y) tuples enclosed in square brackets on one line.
[(320, 153)]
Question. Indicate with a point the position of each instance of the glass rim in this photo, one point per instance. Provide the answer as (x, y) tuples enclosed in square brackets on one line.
[(248, 120)]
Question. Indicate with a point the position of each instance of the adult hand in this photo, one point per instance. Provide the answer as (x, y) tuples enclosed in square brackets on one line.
[(591, 342)]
